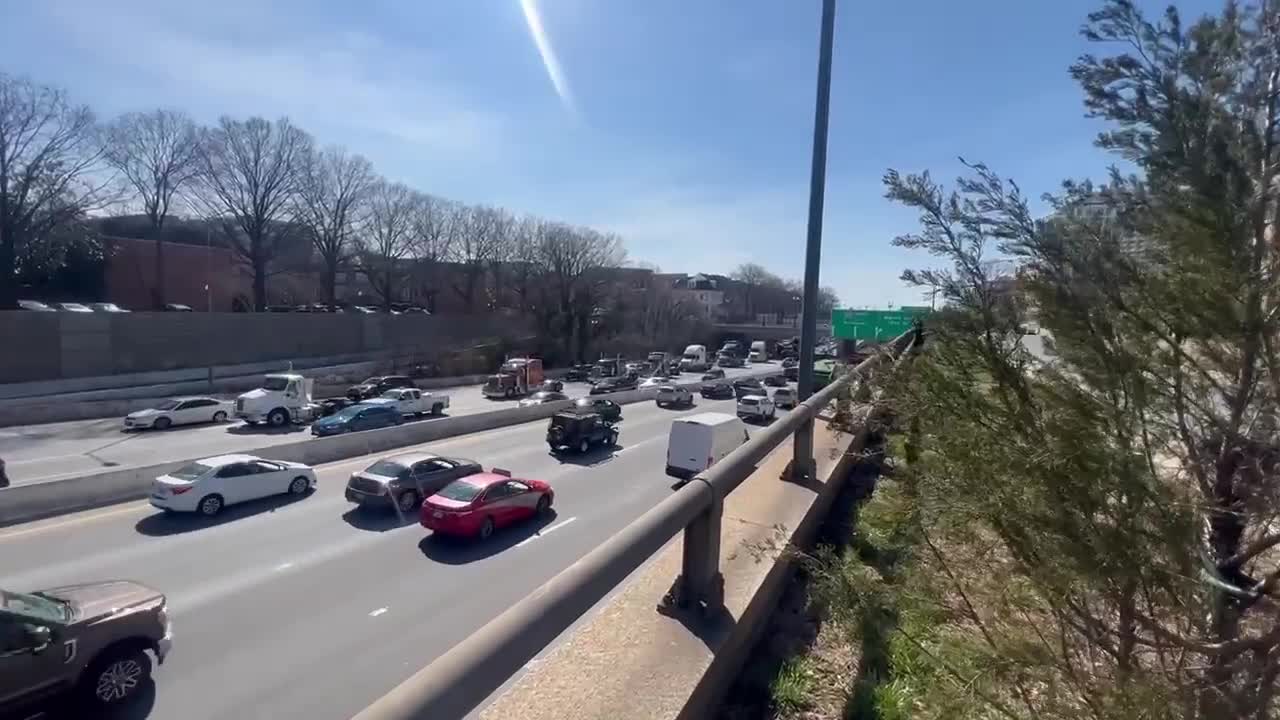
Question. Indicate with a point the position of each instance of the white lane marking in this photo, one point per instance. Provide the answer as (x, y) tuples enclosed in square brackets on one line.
[(377, 612), (547, 531)]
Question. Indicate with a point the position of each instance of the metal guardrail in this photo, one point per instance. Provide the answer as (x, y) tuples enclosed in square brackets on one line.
[(461, 679)]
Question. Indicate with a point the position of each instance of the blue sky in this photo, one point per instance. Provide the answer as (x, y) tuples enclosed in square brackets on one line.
[(684, 125)]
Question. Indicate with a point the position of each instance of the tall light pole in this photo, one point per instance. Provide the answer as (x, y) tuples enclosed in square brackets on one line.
[(802, 462)]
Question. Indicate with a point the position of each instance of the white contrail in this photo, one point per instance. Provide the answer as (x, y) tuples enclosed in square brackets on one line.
[(549, 60)]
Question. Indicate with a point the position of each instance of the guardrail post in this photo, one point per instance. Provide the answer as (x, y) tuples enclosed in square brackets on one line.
[(700, 584)]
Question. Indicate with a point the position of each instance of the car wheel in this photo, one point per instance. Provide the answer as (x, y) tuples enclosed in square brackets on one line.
[(299, 485), (486, 529), (613, 439), (162, 423), (220, 416), (210, 505), (584, 446), (407, 501), (511, 392), (277, 418), (544, 505), (437, 409), (117, 676)]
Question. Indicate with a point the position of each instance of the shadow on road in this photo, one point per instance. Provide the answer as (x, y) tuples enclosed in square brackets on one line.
[(597, 455), (164, 523), (379, 519), (460, 551), (265, 429), (69, 708)]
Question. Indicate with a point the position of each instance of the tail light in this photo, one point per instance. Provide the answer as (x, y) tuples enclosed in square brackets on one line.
[(180, 489)]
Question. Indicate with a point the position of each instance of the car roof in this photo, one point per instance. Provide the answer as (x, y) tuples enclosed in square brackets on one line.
[(220, 460), (484, 479)]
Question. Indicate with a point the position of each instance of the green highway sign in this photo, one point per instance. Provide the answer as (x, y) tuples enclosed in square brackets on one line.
[(872, 324), (915, 309)]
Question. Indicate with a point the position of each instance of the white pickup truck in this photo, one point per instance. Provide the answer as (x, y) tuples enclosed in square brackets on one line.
[(412, 401)]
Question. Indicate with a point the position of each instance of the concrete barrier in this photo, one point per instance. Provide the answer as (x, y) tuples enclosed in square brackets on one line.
[(31, 501)]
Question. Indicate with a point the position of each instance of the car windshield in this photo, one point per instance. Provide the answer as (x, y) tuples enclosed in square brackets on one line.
[(385, 468), (460, 491), (35, 606), (371, 381), (168, 405), (275, 383)]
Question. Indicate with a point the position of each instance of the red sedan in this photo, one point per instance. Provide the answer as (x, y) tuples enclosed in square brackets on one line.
[(476, 505)]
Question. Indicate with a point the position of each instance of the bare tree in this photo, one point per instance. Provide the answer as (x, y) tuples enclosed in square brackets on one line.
[(435, 225), (388, 237), (473, 250), (573, 258), (48, 151), (156, 154), (334, 190), (248, 183), (754, 277)]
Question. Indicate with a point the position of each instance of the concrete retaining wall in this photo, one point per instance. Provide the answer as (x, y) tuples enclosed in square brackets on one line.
[(51, 346)]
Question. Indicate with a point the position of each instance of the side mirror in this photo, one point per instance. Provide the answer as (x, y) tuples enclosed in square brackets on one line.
[(38, 637)]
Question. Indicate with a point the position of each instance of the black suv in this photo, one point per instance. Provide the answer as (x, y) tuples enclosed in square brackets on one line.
[(579, 431), (716, 389), (375, 386), (748, 386)]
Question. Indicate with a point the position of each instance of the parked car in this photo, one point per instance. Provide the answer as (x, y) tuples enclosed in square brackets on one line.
[(543, 396), (477, 505), (636, 367), (207, 486), (35, 306), (107, 307), (789, 362), (402, 481), (614, 384), (784, 397), (93, 639), (653, 382), (776, 381), (180, 411), (674, 395), (356, 418), (375, 386), (725, 360), (552, 385), (716, 389), (743, 387), (177, 307), (756, 407), (579, 431), (608, 410), (792, 373), (73, 307), (329, 406), (713, 374)]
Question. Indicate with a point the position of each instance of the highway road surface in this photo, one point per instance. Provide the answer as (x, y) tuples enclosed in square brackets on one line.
[(311, 609), (45, 452)]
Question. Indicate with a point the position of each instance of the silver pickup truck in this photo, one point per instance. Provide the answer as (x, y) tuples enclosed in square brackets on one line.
[(93, 640)]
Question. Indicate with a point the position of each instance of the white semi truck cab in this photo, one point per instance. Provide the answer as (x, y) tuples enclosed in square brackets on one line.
[(283, 398), (694, 359)]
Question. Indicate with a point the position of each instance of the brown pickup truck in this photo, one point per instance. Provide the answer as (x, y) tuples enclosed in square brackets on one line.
[(91, 639)]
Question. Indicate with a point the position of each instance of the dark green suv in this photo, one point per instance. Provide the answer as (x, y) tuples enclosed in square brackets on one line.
[(579, 431)]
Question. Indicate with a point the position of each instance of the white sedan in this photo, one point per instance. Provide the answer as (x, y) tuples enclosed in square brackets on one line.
[(674, 395), (655, 381), (206, 486), (180, 411)]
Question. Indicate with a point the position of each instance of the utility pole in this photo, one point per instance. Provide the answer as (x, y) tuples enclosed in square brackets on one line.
[(802, 464)]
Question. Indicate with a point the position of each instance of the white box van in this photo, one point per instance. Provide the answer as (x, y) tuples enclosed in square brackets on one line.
[(700, 441)]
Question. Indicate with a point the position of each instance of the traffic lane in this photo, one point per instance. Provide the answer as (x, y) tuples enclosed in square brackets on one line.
[(135, 537), (317, 588), (66, 449)]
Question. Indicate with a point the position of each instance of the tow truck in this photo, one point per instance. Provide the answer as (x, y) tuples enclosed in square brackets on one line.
[(516, 377)]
